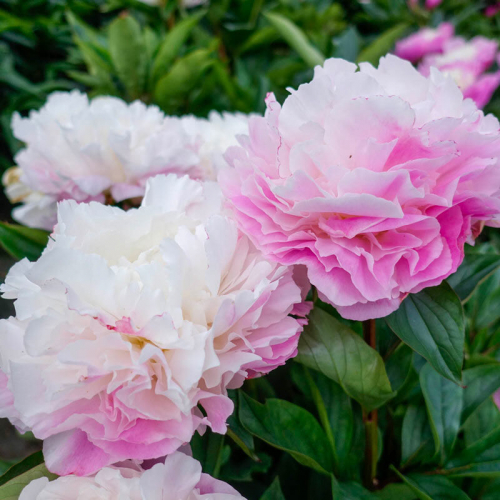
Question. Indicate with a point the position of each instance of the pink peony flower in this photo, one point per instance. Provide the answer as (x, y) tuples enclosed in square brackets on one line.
[(429, 4), (130, 321), (374, 180), (105, 150), (432, 4), (466, 62), (423, 42), (492, 10), (496, 398), (178, 478)]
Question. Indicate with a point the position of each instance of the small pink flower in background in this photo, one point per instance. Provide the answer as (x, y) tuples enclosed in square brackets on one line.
[(373, 179), (131, 320), (429, 4), (432, 4), (179, 477), (492, 10), (496, 398), (467, 62), (423, 42)]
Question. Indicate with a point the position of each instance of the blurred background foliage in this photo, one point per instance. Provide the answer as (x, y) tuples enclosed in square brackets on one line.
[(225, 55)]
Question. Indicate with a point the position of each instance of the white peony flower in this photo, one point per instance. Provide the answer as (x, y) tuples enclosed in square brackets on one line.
[(105, 150), (213, 136), (130, 321), (179, 478)]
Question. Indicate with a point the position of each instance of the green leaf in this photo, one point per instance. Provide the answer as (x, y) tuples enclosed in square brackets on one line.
[(336, 415), (433, 487), (21, 241), (92, 48), (182, 77), (347, 44), (332, 348), (21, 474), (126, 46), (398, 366), (244, 469), (296, 38), (263, 36), (274, 491), (396, 492), (480, 383), (490, 469), (432, 323), (172, 43), (350, 491), (473, 271), (444, 404), (288, 427), (482, 421), (383, 44), (209, 452), (487, 448), (416, 440), (236, 431)]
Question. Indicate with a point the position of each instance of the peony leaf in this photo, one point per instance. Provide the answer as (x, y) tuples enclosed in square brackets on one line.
[(21, 474), (383, 44), (329, 346), (432, 487), (481, 422), (296, 38), (432, 323), (444, 403), (20, 241), (484, 450), (172, 43), (480, 383), (347, 44), (274, 491), (126, 46), (290, 428), (350, 491), (182, 77), (336, 416), (416, 438), (472, 272), (396, 491)]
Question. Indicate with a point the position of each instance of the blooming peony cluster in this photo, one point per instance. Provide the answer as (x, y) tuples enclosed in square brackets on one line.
[(466, 62), (373, 179), (132, 325), (105, 150), (178, 478)]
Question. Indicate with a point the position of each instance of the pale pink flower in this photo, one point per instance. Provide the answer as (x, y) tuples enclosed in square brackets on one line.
[(373, 180), (492, 10), (429, 4), (105, 150), (131, 320), (423, 42), (432, 4), (466, 62), (178, 478)]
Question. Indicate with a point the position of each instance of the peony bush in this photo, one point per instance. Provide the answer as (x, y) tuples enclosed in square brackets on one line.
[(255, 252)]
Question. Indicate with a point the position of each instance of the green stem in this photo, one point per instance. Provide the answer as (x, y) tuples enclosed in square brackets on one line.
[(370, 419)]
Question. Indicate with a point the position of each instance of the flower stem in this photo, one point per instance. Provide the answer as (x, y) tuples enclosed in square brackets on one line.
[(370, 419)]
